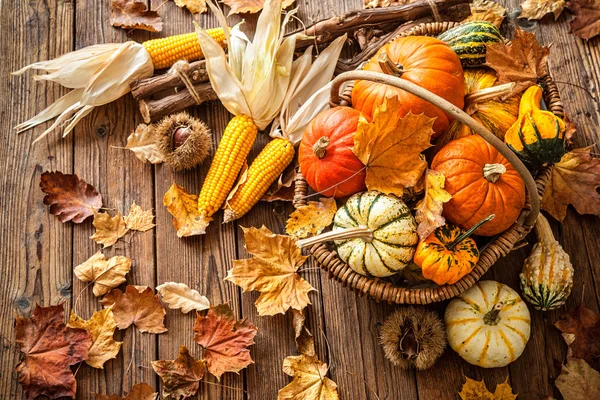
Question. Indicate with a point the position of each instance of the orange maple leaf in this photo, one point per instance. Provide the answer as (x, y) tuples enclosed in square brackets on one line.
[(181, 376), (138, 306)]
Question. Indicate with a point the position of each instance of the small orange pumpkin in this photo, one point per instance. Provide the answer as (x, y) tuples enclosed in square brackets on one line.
[(482, 182)]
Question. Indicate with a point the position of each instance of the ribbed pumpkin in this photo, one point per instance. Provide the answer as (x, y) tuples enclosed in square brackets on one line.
[(423, 60), (538, 136), (325, 153), (389, 244), (468, 41), (547, 276), (488, 325), (482, 182)]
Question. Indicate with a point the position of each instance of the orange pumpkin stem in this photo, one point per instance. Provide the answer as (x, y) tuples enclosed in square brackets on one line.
[(493, 172), (388, 66), (468, 233), (320, 147), (364, 233)]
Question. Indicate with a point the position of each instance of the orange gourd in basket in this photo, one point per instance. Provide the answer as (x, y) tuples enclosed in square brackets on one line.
[(425, 61), (482, 182)]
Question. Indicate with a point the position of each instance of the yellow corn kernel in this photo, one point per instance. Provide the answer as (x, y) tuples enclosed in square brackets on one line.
[(167, 51), (267, 166), (229, 159)]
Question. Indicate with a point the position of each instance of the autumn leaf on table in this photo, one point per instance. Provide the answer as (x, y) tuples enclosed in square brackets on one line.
[(486, 10), (101, 327), (311, 218), (310, 380), (305, 341), (536, 9), (429, 209), (138, 219), (194, 6), (50, 348), (523, 62), (476, 390), (250, 6), (108, 229), (574, 180), (136, 306), (586, 23), (272, 272), (141, 391), (180, 296), (390, 148), (181, 376), (134, 14), (581, 330), (69, 198), (106, 274), (183, 206), (141, 143), (225, 340), (578, 381)]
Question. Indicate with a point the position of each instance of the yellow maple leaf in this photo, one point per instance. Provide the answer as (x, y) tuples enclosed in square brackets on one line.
[(311, 218), (272, 272), (194, 6), (183, 206), (476, 390), (429, 209), (101, 327), (486, 10), (138, 219), (310, 380), (537, 9), (106, 274), (108, 229), (390, 147)]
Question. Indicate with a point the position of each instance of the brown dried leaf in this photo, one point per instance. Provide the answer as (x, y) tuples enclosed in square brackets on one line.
[(69, 198), (581, 330), (183, 206), (106, 274), (486, 10), (141, 143), (181, 377), (523, 62), (141, 391), (586, 23), (138, 306), (50, 348), (250, 6), (305, 341), (101, 328), (574, 180), (225, 340), (108, 229), (311, 218), (390, 147), (138, 219), (180, 296), (310, 380), (571, 130), (536, 9), (578, 381), (134, 14), (429, 209), (476, 390), (194, 6), (272, 272)]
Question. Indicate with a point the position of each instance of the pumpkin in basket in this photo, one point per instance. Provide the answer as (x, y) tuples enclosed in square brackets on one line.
[(482, 182), (488, 325), (425, 61), (325, 153)]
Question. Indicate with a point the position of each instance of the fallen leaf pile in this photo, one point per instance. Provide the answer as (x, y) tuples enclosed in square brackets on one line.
[(105, 274), (578, 381), (581, 330), (429, 209), (487, 10), (141, 391), (250, 6), (311, 218), (537, 9), (476, 390), (180, 296), (138, 306), (134, 14), (183, 206), (69, 198), (101, 327), (181, 377), (586, 23)]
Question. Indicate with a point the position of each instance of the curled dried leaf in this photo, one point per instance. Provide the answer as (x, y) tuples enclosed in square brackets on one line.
[(194, 6), (250, 6), (581, 330), (180, 296), (429, 209), (311, 218), (69, 198), (486, 10), (537, 9), (134, 14), (141, 143), (181, 377), (586, 23), (183, 206)]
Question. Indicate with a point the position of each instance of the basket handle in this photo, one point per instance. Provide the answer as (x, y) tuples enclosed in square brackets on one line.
[(454, 111)]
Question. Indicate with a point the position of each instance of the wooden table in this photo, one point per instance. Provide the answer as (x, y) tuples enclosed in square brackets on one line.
[(38, 252)]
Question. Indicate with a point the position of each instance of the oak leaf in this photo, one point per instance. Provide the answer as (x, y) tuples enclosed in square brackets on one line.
[(523, 62), (194, 6), (106, 274), (578, 381), (537, 9), (141, 143), (181, 377), (574, 180), (225, 340), (138, 306), (310, 380), (141, 391), (390, 147), (476, 390), (180, 296), (581, 330), (108, 229), (101, 327), (50, 348), (134, 14), (69, 198), (429, 209), (138, 219), (183, 206), (486, 10), (312, 218), (586, 23), (272, 272), (250, 6)]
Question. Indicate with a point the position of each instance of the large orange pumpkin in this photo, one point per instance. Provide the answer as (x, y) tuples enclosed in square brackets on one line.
[(482, 182), (325, 154), (425, 61)]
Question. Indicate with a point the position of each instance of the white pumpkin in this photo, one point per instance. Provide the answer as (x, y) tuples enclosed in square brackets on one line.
[(488, 325), (391, 244)]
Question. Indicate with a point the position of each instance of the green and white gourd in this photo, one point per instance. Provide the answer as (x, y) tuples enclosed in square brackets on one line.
[(468, 41)]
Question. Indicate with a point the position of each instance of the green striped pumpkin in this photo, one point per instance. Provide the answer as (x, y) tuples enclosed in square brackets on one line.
[(468, 41), (394, 234)]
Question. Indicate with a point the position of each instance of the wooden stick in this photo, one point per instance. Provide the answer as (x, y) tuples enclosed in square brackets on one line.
[(145, 88), (153, 110)]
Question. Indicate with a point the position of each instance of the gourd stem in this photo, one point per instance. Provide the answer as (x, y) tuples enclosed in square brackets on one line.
[(493, 316), (468, 233), (543, 230), (342, 234), (388, 66), (490, 93), (320, 147), (493, 172)]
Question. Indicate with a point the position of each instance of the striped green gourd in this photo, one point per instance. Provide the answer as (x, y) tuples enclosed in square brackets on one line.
[(468, 41)]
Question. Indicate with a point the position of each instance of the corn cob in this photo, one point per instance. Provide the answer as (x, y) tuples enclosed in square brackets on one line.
[(268, 165), (167, 51), (229, 159)]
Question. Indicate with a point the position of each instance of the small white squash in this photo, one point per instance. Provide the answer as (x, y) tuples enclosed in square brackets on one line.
[(488, 325), (390, 242)]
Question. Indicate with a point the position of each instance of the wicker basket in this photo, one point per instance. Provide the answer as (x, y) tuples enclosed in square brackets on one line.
[(383, 290)]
